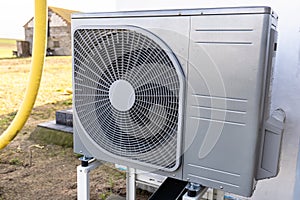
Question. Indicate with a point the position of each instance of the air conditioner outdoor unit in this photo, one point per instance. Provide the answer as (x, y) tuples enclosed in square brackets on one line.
[(181, 93)]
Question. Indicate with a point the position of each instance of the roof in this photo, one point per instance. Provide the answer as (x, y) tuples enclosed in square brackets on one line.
[(65, 14)]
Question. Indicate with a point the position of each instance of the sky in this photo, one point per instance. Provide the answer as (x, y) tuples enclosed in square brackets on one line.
[(12, 17)]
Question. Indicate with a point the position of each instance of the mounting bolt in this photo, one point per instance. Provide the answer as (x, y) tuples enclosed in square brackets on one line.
[(193, 189)]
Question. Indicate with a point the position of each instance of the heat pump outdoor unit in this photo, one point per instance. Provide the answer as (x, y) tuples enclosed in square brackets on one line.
[(181, 93)]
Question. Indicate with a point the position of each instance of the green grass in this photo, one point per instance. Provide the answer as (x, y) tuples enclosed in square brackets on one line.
[(47, 136), (15, 161), (6, 47), (6, 120)]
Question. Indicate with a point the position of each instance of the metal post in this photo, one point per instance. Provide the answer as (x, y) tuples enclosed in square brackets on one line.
[(83, 182), (130, 185), (218, 194)]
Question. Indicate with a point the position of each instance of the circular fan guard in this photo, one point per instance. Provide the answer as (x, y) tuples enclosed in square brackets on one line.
[(145, 131)]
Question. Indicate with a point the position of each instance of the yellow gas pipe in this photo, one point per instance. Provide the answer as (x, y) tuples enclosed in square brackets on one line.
[(37, 62)]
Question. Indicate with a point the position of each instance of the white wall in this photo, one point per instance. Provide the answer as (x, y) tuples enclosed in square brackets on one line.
[(286, 87)]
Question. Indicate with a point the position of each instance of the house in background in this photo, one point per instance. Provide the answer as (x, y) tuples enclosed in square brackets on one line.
[(59, 31)]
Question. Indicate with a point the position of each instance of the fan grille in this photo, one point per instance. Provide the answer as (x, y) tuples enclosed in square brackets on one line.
[(146, 130)]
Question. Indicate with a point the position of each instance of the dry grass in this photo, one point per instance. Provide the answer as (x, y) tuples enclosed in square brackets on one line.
[(14, 74), (52, 96)]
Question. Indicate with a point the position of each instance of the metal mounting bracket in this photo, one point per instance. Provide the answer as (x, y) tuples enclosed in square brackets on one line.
[(83, 178)]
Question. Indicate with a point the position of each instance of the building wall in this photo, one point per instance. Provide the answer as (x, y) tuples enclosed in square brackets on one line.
[(286, 84), (59, 40), (29, 36)]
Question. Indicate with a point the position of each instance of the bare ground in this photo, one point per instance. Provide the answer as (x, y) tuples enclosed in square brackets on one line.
[(33, 171)]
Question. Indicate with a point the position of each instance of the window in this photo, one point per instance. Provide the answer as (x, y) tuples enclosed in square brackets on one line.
[(55, 44)]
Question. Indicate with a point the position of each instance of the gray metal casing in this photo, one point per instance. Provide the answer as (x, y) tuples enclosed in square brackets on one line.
[(224, 55)]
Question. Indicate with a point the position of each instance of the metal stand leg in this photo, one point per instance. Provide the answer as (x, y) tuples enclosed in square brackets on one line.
[(130, 184), (83, 181), (218, 194)]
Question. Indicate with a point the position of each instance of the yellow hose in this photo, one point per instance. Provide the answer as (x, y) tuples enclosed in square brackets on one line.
[(38, 57)]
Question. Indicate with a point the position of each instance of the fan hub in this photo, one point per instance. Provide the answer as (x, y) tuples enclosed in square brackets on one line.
[(121, 95)]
